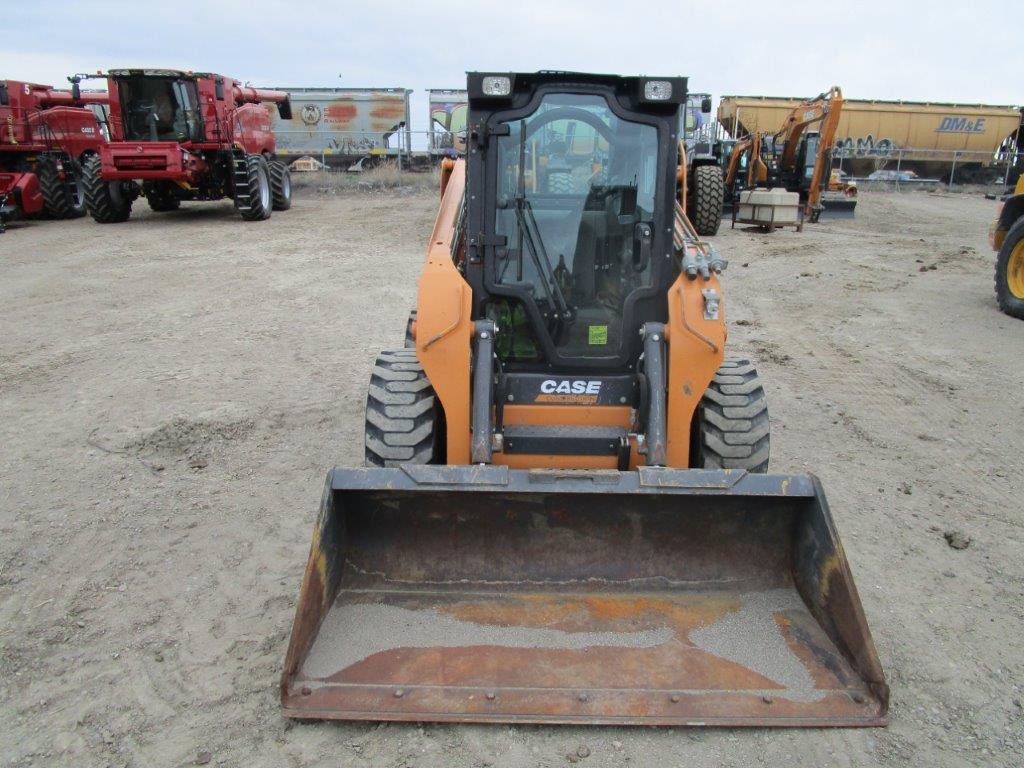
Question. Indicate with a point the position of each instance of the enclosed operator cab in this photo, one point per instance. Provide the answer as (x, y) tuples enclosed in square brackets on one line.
[(575, 202), (159, 105)]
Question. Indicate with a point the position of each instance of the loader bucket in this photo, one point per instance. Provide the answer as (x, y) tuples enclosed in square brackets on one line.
[(655, 597), (838, 207)]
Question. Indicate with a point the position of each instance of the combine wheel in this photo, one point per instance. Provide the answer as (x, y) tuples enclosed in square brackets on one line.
[(732, 420), (1010, 272), (106, 201), (280, 185), (402, 425), (63, 198), (161, 197), (708, 196), (254, 199)]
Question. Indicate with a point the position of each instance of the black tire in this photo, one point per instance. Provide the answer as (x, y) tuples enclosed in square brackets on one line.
[(161, 196), (410, 338), (1010, 272), (401, 413), (63, 198), (106, 201), (280, 185), (254, 201), (708, 196), (732, 421), (561, 183)]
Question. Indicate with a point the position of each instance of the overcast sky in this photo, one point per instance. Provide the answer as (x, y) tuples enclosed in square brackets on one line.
[(943, 50)]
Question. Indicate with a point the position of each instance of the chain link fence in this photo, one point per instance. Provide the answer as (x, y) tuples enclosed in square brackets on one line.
[(402, 150)]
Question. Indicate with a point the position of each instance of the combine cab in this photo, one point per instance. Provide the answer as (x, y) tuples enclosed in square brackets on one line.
[(46, 136), (565, 515), (187, 136)]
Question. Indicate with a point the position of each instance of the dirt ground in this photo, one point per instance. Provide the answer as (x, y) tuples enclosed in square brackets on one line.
[(174, 389)]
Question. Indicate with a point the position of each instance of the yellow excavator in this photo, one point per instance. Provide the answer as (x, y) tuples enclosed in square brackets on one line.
[(797, 159), (565, 514)]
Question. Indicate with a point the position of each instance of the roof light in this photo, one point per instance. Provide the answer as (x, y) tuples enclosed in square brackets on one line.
[(657, 90), (497, 85)]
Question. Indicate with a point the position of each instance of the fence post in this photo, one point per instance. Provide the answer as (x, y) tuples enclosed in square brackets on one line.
[(952, 170)]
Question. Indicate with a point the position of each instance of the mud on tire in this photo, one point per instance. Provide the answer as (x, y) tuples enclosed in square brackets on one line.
[(63, 198), (106, 201), (708, 196), (732, 430), (280, 185), (402, 424)]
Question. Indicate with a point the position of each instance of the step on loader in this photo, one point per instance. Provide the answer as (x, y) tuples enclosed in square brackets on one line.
[(565, 515)]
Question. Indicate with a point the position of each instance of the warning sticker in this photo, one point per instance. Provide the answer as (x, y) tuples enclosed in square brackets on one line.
[(598, 335)]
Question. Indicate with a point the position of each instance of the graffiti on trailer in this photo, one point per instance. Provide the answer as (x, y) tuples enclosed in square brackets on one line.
[(352, 145), (450, 118), (864, 147), (450, 115)]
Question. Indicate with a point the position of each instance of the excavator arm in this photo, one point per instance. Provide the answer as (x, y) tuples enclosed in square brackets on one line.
[(757, 171), (825, 109), (740, 148)]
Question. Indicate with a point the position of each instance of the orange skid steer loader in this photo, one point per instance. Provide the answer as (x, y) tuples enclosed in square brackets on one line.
[(565, 515)]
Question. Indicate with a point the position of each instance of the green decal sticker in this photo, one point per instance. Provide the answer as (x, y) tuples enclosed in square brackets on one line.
[(598, 334)]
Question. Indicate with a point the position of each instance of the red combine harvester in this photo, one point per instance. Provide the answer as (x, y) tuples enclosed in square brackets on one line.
[(46, 136), (186, 136)]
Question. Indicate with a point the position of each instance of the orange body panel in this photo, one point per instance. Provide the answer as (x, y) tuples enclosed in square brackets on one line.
[(444, 327), (569, 415), (696, 348)]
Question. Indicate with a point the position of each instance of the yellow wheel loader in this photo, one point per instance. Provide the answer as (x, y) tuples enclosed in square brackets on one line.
[(1006, 236), (565, 515)]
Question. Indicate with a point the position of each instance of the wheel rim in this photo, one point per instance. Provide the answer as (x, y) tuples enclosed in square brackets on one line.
[(1015, 271), (286, 185), (264, 182)]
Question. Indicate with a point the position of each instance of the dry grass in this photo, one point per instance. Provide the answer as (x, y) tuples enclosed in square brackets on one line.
[(385, 176)]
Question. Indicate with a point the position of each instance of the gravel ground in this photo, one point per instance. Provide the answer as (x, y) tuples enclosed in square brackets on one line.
[(173, 390)]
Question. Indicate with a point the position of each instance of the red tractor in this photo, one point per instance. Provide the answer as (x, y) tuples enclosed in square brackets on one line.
[(186, 136), (46, 136)]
